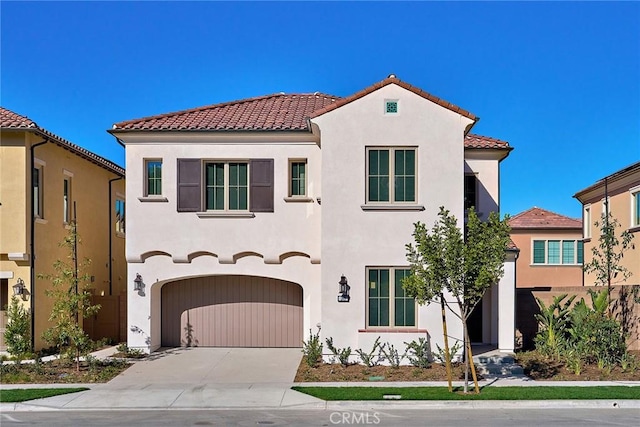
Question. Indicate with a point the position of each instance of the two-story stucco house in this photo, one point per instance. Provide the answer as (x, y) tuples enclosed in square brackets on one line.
[(46, 182), (244, 217)]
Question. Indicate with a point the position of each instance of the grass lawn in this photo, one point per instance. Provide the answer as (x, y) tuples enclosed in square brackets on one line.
[(22, 394), (487, 393)]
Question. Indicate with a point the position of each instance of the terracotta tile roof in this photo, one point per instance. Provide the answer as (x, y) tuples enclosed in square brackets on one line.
[(389, 80), (511, 246), (541, 218), (13, 121), (270, 112), (478, 141)]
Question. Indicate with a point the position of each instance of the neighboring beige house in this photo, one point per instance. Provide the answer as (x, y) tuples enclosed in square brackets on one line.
[(252, 222), (551, 249), (42, 178), (622, 189)]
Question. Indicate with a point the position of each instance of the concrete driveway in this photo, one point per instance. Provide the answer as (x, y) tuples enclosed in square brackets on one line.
[(201, 366)]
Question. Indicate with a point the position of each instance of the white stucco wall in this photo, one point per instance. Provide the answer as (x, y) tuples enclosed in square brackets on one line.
[(487, 170), (157, 227), (354, 239)]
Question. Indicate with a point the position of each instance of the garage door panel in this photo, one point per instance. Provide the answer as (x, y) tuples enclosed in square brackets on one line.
[(232, 311)]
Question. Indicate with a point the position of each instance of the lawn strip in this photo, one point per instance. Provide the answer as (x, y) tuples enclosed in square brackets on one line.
[(23, 394), (487, 393)]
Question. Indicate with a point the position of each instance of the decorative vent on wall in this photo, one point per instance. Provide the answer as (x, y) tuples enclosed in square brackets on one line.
[(391, 107)]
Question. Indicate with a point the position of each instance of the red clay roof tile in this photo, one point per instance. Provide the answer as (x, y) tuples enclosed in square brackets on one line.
[(11, 120), (541, 218), (270, 112), (478, 141)]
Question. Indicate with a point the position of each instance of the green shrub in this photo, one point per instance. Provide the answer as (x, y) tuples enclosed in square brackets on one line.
[(441, 356), (312, 349), (419, 353), (392, 355), (342, 354), (372, 358), (17, 335)]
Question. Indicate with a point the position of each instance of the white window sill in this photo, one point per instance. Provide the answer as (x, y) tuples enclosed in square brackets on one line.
[(298, 199), (119, 234), (225, 214), (66, 225), (41, 221), (156, 199), (391, 207), (555, 265)]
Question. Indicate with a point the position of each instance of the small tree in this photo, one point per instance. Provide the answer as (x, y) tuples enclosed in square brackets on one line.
[(608, 253), (71, 301), (443, 260), (17, 335)]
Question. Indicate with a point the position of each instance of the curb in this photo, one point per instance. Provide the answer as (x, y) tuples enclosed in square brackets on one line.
[(367, 405)]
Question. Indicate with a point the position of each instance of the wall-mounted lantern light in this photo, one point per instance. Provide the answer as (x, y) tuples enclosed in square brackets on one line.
[(343, 295), (138, 284), (20, 290)]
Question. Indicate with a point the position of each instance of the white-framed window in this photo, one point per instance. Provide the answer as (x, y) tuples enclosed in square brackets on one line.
[(387, 303), (390, 106), (120, 215), (38, 189), (153, 177), (391, 175), (297, 177), (586, 221), (606, 205), (635, 206), (67, 197), (557, 251), (226, 185)]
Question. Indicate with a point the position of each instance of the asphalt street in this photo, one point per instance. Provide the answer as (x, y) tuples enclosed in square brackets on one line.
[(290, 417)]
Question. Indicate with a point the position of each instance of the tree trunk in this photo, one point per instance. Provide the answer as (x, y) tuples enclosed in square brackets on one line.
[(473, 367), (447, 355), (466, 357)]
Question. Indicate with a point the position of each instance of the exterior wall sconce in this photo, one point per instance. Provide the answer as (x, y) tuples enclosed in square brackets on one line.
[(138, 284), (20, 290), (343, 295)]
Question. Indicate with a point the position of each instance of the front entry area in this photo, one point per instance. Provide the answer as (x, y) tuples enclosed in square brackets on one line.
[(231, 311)]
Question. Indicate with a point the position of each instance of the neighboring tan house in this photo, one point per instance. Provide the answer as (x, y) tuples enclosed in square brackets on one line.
[(551, 249), (253, 222), (46, 181), (622, 189)]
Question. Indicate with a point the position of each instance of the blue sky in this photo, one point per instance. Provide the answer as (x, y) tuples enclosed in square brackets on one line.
[(559, 81)]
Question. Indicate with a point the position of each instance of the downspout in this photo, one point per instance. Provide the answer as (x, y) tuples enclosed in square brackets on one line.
[(111, 236), (32, 243)]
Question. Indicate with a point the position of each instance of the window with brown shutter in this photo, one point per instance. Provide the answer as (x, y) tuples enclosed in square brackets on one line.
[(261, 185), (189, 185)]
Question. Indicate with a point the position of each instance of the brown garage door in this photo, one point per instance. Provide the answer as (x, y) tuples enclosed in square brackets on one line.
[(232, 311)]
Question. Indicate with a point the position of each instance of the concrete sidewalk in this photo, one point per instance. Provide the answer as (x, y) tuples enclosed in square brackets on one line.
[(277, 396)]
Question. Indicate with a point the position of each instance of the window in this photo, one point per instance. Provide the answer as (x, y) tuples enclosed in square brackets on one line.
[(391, 107), (38, 196), (635, 207), (153, 181), (470, 192), (586, 222), (66, 200), (388, 304), (386, 165), (226, 186), (558, 252), (297, 178), (120, 219)]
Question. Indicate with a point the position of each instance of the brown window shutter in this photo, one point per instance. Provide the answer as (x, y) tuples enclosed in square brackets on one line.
[(261, 185), (189, 185)]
